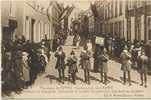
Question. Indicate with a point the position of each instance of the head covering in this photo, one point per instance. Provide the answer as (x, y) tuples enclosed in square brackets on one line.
[(125, 51), (72, 52), (60, 48), (125, 48), (142, 51), (43, 42), (41, 51), (24, 54), (19, 54), (85, 47), (42, 46), (8, 53), (104, 50)]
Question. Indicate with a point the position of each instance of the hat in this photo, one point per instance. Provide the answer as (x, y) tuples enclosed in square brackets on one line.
[(60, 48), (125, 48), (105, 51), (125, 51), (24, 54), (19, 54), (42, 46), (41, 51), (8, 53), (72, 53)]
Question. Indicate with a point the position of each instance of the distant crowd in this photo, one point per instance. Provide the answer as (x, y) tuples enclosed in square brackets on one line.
[(22, 62), (136, 55)]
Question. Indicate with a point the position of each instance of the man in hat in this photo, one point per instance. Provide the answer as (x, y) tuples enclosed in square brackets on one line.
[(72, 63), (103, 66), (136, 52), (89, 45), (85, 63), (90, 49), (143, 61), (60, 65), (42, 59), (126, 65), (33, 63)]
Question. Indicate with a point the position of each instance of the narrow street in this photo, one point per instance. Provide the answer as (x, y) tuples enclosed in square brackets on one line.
[(49, 80), (32, 30)]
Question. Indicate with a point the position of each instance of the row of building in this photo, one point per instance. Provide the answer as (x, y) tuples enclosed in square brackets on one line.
[(31, 19), (129, 19)]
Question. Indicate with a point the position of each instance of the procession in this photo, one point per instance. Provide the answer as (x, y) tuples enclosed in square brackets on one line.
[(66, 52), (24, 62)]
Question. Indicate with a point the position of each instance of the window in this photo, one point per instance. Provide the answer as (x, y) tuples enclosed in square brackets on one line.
[(121, 29), (111, 28), (139, 3), (112, 9), (108, 8), (116, 29), (32, 29), (116, 9), (149, 28), (129, 29), (148, 2), (121, 7), (104, 11), (27, 27), (138, 29)]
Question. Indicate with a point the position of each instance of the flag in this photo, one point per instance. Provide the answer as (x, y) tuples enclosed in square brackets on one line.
[(63, 13), (94, 10), (60, 8), (68, 12)]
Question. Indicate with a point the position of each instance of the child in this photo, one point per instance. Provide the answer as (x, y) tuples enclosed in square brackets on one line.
[(60, 64)]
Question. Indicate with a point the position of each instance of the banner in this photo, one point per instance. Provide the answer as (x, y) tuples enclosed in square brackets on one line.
[(99, 40)]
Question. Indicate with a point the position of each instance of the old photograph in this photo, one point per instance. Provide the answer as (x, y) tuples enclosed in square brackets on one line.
[(75, 49)]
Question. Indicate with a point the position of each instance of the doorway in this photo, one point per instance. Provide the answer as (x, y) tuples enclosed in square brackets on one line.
[(32, 29)]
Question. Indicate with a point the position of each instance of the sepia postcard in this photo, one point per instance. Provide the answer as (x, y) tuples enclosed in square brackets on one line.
[(75, 49)]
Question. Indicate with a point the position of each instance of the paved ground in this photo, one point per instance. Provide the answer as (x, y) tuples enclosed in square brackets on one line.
[(47, 85)]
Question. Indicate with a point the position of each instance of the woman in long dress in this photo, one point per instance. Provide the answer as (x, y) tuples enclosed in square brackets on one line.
[(18, 70), (7, 76), (25, 69)]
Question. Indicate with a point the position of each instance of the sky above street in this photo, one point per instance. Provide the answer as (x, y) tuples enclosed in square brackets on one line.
[(80, 4)]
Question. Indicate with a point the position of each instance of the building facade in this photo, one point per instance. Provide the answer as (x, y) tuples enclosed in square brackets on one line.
[(91, 22), (139, 20), (129, 19), (28, 19), (112, 17)]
